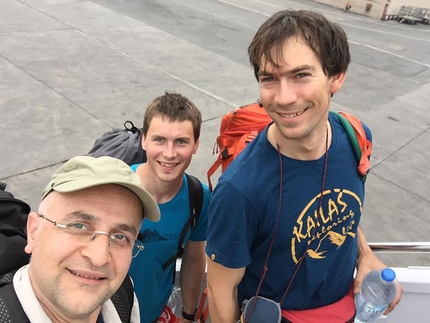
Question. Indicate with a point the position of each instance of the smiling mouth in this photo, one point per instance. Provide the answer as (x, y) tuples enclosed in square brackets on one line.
[(290, 116), (168, 165), (86, 276)]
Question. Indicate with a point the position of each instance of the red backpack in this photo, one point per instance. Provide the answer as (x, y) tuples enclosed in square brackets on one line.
[(241, 125), (238, 128)]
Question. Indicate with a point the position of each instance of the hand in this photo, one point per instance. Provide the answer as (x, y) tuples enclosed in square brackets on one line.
[(366, 263)]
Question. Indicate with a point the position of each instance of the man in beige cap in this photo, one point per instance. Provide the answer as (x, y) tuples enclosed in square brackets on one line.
[(82, 240)]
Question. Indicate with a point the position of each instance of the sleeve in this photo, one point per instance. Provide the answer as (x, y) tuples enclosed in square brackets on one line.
[(134, 167), (232, 225)]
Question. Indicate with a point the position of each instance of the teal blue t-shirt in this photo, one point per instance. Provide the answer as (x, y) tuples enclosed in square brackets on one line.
[(152, 284)]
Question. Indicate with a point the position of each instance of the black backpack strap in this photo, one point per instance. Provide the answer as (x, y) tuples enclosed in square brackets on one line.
[(195, 190), (196, 198), (123, 300), (7, 279), (10, 307)]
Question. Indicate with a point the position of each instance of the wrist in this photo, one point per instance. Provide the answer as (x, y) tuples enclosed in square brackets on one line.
[(189, 316)]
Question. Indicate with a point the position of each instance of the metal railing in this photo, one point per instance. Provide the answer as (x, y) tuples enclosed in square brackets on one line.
[(400, 247)]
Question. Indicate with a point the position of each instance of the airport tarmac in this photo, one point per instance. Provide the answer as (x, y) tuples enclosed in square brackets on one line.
[(74, 69)]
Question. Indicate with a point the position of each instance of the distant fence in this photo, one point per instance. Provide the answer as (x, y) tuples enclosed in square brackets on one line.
[(400, 247)]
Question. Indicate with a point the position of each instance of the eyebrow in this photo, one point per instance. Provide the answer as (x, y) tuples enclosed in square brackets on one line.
[(293, 71), (183, 138), (155, 136), (79, 215), (127, 228)]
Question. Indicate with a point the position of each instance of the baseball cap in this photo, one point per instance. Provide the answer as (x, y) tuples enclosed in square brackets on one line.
[(83, 172)]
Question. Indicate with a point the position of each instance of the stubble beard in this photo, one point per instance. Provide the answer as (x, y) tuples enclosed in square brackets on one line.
[(78, 308), (290, 133)]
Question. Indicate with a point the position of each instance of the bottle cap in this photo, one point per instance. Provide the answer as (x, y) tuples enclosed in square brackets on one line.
[(388, 275)]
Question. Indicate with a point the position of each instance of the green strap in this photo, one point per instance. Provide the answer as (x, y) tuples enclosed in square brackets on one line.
[(351, 134)]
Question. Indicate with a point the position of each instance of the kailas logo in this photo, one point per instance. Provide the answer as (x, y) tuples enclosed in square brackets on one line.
[(331, 225)]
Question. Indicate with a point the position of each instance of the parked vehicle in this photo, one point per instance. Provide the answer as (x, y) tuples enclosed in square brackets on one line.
[(425, 16), (412, 15)]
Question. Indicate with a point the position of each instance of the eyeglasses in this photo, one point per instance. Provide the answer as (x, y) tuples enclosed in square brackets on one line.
[(82, 230)]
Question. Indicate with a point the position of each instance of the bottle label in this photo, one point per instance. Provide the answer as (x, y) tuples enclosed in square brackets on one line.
[(372, 309)]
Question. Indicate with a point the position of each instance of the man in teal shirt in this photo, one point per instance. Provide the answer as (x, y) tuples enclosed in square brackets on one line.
[(171, 130)]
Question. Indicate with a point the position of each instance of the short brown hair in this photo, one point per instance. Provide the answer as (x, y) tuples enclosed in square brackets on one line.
[(174, 107), (327, 39)]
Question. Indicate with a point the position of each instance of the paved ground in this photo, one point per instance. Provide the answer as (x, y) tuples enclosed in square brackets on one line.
[(72, 70)]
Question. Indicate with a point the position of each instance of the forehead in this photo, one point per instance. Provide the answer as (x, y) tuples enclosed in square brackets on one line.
[(161, 125), (292, 53), (111, 203)]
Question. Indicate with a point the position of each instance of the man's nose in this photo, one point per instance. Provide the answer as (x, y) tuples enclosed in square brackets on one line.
[(286, 93), (170, 151), (98, 250)]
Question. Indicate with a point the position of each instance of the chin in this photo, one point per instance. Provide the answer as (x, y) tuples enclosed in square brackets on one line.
[(76, 307), (168, 177)]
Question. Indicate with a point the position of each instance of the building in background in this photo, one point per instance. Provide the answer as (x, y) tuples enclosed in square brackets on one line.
[(380, 9)]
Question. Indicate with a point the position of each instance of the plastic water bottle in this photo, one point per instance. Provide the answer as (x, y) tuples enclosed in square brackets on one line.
[(377, 291), (175, 302)]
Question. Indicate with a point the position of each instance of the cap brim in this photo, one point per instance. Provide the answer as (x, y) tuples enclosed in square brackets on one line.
[(150, 206)]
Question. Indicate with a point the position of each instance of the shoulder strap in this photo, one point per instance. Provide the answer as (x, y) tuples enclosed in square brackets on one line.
[(213, 168), (357, 136), (10, 307), (195, 190), (7, 279), (123, 300)]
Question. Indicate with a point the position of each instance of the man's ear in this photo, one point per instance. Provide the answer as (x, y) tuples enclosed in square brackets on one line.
[(143, 143), (33, 222), (196, 146), (337, 82)]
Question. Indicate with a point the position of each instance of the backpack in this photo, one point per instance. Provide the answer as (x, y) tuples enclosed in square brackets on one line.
[(126, 144), (13, 235), (240, 126), (13, 238)]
